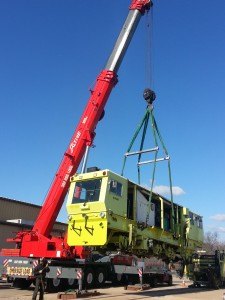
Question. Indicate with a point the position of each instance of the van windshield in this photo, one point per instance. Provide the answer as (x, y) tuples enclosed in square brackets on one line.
[(87, 191)]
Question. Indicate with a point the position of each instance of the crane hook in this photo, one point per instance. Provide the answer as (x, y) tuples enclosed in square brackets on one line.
[(149, 95)]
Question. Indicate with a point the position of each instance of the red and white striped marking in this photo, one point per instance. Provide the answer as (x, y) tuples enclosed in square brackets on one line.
[(35, 263), (5, 262), (58, 272), (79, 274), (140, 272)]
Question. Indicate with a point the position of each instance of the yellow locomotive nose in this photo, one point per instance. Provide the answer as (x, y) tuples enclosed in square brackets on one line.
[(88, 226), (87, 210)]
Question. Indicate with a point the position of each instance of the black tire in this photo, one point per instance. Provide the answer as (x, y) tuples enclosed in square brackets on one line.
[(217, 284), (170, 282), (66, 284), (119, 279), (153, 281), (71, 283), (100, 277), (22, 283), (9, 280), (132, 279), (89, 278), (53, 285)]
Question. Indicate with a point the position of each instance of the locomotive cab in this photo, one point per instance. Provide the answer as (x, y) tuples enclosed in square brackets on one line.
[(95, 199)]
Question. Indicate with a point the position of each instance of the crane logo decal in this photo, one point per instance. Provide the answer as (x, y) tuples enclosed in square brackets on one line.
[(67, 176), (84, 120), (74, 142)]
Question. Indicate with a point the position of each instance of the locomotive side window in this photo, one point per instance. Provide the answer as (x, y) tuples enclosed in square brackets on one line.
[(195, 220), (87, 191), (130, 202), (115, 187), (200, 223), (191, 216)]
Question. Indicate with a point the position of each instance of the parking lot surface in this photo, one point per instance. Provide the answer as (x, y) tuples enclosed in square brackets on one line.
[(179, 291)]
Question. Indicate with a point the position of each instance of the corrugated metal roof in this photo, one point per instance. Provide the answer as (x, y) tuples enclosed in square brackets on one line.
[(26, 204), (18, 201)]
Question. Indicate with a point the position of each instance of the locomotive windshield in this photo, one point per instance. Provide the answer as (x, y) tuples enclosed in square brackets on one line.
[(87, 191)]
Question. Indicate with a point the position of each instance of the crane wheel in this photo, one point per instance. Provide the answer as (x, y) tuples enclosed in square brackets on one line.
[(100, 276), (89, 278), (53, 285), (22, 283)]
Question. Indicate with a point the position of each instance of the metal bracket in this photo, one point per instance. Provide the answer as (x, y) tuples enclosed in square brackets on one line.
[(76, 230)]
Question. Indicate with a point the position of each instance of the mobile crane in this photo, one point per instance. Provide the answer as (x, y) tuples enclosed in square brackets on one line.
[(38, 242), (66, 260)]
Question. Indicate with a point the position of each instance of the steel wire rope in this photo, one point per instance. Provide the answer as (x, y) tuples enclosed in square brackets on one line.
[(149, 82), (149, 67)]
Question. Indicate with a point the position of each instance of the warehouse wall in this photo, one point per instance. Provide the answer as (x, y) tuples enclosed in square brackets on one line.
[(14, 209)]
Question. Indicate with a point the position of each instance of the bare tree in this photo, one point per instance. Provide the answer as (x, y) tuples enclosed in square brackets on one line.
[(212, 243)]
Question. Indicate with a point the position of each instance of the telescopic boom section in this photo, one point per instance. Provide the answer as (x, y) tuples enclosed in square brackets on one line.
[(85, 131)]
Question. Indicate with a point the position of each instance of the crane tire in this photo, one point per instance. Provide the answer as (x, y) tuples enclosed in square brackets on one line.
[(100, 276)]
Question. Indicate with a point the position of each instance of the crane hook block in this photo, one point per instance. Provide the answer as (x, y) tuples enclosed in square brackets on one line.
[(149, 95)]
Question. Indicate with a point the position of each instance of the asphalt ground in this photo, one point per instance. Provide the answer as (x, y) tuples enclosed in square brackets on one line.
[(179, 291)]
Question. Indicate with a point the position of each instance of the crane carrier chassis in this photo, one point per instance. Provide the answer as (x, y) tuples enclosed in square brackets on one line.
[(114, 268)]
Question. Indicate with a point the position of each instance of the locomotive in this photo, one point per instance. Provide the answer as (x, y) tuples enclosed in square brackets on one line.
[(108, 212)]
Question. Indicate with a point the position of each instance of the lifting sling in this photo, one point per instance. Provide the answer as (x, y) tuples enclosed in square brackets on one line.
[(149, 96)]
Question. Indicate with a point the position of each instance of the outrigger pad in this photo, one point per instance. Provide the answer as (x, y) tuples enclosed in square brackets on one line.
[(77, 294)]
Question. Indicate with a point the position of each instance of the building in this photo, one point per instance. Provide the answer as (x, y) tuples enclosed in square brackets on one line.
[(18, 216)]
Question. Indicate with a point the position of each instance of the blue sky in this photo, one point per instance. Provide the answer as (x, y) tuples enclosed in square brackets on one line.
[(50, 55)]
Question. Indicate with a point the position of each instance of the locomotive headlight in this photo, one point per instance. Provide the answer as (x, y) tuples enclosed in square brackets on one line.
[(102, 214)]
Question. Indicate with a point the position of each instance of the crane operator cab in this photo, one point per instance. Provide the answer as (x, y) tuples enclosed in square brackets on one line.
[(107, 210)]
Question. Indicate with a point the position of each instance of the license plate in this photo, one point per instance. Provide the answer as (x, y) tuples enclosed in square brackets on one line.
[(19, 271)]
